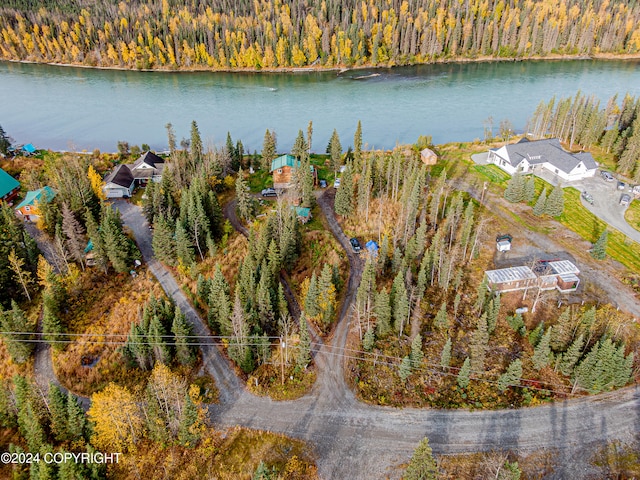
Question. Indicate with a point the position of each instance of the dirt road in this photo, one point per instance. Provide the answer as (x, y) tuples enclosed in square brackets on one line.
[(358, 441)]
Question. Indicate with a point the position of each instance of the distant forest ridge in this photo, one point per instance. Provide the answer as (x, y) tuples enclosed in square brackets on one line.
[(272, 34)]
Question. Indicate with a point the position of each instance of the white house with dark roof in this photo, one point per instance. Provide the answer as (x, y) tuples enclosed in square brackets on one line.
[(119, 183), (125, 177), (543, 155)]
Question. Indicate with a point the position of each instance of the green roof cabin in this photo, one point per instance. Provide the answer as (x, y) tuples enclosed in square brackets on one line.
[(29, 208), (9, 187)]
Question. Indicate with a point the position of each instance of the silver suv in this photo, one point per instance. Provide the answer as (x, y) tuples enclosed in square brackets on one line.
[(607, 176)]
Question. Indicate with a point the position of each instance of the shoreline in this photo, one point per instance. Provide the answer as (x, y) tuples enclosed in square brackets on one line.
[(344, 69)]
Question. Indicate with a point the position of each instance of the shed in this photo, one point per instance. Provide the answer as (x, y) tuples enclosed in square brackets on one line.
[(503, 243), (9, 187), (303, 214), (28, 149), (428, 156)]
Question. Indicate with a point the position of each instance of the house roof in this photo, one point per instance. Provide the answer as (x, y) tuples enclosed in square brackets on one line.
[(148, 159), (564, 267), (303, 212), (120, 176), (513, 274), (284, 161), (7, 183), (29, 148), (545, 151), (44, 194)]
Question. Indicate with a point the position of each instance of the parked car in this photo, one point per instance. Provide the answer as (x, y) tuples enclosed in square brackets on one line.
[(269, 192), (625, 199), (607, 176), (355, 245), (621, 185), (587, 197), (336, 184), (323, 184)]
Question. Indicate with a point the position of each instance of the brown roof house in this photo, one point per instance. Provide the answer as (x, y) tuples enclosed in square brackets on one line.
[(125, 178)]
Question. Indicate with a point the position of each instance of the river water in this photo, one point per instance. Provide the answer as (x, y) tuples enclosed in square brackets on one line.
[(68, 108)]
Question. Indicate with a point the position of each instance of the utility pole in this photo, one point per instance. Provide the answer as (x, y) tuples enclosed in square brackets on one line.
[(282, 346)]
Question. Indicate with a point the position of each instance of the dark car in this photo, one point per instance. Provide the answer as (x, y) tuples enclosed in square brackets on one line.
[(269, 192), (323, 184), (625, 200), (355, 245)]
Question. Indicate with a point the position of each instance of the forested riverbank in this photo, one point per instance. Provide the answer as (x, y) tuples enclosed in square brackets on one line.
[(271, 35)]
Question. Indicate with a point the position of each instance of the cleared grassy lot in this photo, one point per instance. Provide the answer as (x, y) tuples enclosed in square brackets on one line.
[(589, 227)]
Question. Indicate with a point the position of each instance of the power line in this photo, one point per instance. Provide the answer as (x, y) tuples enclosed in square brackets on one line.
[(342, 352)]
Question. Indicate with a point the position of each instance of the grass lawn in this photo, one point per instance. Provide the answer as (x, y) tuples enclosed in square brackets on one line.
[(492, 174), (632, 214), (589, 227)]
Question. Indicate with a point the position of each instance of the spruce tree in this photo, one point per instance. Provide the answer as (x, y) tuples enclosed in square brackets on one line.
[(515, 191), (344, 203), (181, 331), (118, 247), (441, 322), (529, 189), (311, 299), (76, 418), (555, 202), (404, 370), (57, 402), (562, 331), (164, 241), (189, 431), (268, 151), (357, 143), (399, 302), (541, 204), (156, 337), (445, 356), (219, 304), (464, 374), (422, 465), (300, 148), (184, 245), (369, 340), (16, 327), (243, 197), (383, 314), (303, 357), (599, 250), (512, 376), (196, 144), (334, 149)]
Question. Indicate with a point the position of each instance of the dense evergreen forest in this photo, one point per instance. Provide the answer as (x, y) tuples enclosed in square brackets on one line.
[(582, 122), (269, 34)]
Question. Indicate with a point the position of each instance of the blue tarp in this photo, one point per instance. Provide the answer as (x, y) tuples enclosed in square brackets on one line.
[(372, 247)]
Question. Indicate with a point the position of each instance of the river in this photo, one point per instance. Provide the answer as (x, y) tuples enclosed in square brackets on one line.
[(68, 108)]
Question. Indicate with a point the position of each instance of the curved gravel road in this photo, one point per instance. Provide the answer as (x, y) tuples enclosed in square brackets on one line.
[(358, 441)]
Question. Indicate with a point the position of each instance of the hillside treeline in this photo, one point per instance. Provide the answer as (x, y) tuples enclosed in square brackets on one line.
[(227, 34), (582, 121)]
